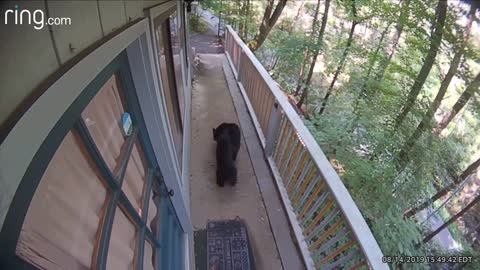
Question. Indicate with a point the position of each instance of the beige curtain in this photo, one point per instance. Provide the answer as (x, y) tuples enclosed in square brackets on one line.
[(148, 259), (133, 183), (123, 240), (103, 118), (153, 213), (61, 225)]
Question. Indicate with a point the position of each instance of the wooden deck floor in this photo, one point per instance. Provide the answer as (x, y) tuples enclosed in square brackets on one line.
[(254, 199)]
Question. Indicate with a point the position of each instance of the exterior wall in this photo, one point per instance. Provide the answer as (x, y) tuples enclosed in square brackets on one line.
[(30, 56), (43, 52)]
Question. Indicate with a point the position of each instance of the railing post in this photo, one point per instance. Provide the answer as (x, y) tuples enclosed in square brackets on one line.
[(227, 44), (275, 117), (239, 72)]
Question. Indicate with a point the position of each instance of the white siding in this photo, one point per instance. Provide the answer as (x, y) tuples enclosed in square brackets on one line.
[(84, 30), (23, 65), (28, 55), (112, 14), (134, 9)]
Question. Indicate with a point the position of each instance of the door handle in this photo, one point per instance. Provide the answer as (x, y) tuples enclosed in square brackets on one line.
[(171, 193)]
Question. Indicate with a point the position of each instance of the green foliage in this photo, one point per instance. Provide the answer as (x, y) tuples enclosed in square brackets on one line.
[(399, 237), (197, 24)]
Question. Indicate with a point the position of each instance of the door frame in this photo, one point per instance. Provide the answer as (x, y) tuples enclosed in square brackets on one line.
[(162, 12), (27, 138), (147, 84), (156, 93)]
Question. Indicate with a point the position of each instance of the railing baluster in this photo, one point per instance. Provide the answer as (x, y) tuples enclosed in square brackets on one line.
[(292, 159), (281, 143), (292, 154), (301, 191), (350, 255), (262, 103), (357, 265), (342, 233), (318, 217), (287, 149), (338, 251), (319, 201), (274, 122), (310, 187), (333, 213), (299, 165), (240, 66), (255, 93), (238, 56), (311, 198), (326, 234), (268, 111)]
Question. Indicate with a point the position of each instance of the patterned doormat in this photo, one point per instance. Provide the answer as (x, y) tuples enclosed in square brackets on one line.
[(228, 247)]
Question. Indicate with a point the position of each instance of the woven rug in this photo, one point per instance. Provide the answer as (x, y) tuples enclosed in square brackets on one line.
[(228, 247)]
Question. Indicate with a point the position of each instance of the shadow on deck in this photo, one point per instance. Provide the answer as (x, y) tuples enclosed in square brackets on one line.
[(216, 99)]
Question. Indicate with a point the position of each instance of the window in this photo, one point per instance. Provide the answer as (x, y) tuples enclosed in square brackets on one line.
[(176, 41), (173, 98), (98, 186)]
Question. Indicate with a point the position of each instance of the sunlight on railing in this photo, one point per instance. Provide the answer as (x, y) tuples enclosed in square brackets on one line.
[(329, 228)]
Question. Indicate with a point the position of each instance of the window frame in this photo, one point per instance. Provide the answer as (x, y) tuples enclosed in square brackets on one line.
[(72, 120)]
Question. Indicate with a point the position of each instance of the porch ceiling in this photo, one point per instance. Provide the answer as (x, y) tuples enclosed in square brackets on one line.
[(267, 223)]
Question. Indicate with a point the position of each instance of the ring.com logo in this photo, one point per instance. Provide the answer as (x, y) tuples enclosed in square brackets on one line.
[(37, 18)]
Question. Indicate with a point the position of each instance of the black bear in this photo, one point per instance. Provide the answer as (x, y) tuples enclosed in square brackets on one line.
[(227, 136)]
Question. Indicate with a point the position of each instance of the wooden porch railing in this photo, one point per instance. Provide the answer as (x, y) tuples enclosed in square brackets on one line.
[(330, 230)]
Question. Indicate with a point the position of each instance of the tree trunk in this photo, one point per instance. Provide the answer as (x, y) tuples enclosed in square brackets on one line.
[(303, 97), (342, 60), (398, 33), (299, 11), (301, 74), (307, 55), (472, 168), (435, 41), (363, 91), (219, 21), (452, 219), (268, 22), (426, 120), (243, 18), (297, 16), (273, 63), (247, 16), (461, 102)]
